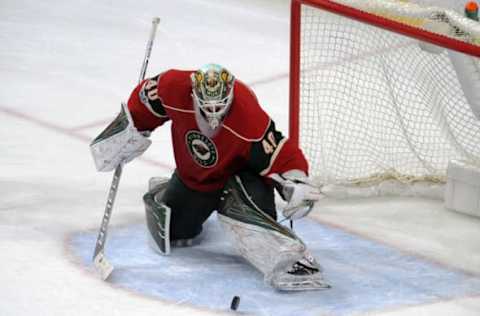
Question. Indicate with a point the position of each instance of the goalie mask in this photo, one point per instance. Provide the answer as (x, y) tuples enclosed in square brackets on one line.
[(212, 87)]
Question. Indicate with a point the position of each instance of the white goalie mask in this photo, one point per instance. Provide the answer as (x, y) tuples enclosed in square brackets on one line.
[(212, 87)]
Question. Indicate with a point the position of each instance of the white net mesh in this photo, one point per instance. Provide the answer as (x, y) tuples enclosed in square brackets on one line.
[(375, 106)]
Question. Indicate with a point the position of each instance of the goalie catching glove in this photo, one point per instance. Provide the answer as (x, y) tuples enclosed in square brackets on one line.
[(295, 189), (119, 143)]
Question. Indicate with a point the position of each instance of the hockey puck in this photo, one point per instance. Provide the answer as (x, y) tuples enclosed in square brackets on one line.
[(235, 303)]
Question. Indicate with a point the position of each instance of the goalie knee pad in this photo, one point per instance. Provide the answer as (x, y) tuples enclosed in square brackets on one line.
[(270, 247), (158, 215)]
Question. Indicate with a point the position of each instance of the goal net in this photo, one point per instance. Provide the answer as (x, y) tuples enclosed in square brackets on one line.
[(383, 91)]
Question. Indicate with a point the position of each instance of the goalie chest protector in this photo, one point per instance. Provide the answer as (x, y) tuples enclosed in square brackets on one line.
[(204, 163)]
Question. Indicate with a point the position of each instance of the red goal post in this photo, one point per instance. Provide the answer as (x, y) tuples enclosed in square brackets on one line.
[(443, 28)]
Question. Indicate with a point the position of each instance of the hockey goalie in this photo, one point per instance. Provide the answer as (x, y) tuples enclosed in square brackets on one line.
[(229, 158)]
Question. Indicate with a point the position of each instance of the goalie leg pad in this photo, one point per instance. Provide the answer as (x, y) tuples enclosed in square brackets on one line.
[(158, 216), (170, 204), (270, 247), (264, 248)]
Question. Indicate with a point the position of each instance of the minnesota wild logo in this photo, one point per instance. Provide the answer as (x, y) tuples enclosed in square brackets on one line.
[(202, 149)]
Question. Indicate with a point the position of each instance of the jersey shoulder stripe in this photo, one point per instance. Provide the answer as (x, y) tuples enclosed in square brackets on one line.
[(149, 97), (264, 152)]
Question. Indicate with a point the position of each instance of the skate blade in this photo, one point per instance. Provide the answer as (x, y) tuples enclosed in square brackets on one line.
[(302, 286)]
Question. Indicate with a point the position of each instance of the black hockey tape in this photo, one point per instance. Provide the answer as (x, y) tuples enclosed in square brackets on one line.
[(235, 303)]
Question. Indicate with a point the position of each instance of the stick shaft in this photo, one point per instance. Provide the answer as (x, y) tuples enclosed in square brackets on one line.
[(112, 193), (148, 51), (102, 235)]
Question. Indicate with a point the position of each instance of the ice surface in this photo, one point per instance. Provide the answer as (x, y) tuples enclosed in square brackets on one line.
[(366, 275)]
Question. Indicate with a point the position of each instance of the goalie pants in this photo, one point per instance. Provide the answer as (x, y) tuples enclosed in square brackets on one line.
[(191, 208)]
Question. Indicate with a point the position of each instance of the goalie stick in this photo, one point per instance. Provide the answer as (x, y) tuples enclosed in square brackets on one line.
[(100, 262)]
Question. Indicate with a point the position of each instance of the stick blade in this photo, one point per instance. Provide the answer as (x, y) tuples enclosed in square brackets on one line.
[(102, 266)]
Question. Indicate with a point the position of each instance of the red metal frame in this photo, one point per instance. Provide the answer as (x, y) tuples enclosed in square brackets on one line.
[(397, 27), (295, 22)]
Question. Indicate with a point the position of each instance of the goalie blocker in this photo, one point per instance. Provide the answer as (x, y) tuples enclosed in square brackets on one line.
[(246, 209)]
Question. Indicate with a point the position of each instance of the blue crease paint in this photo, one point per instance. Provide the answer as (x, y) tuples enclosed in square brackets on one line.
[(365, 275)]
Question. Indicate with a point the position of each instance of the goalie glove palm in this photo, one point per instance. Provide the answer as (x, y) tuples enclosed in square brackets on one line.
[(300, 195)]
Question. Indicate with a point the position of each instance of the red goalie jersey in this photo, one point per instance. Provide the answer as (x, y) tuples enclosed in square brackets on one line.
[(247, 137)]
